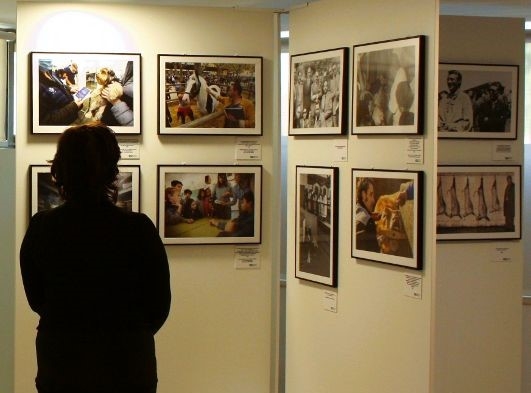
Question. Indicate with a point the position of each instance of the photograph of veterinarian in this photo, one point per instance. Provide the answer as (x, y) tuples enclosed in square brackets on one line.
[(96, 275), (77, 89), (210, 95), (384, 215)]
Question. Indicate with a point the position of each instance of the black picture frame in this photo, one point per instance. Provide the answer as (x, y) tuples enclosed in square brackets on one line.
[(44, 195), (316, 224), (194, 91), (223, 217), (59, 80), (477, 101), (472, 206), (388, 87), (391, 230), (312, 110)]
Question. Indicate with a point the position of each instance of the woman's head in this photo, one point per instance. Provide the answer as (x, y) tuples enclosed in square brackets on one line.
[(85, 164), (222, 179)]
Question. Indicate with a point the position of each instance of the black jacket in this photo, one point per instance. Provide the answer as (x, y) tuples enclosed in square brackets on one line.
[(99, 279)]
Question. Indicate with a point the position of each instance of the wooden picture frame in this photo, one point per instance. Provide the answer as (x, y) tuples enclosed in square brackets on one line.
[(319, 93), (44, 194), (387, 223), (69, 89), (477, 101), (209, 95), (479, 202), (227, 201), (388, 87), (316, 228)]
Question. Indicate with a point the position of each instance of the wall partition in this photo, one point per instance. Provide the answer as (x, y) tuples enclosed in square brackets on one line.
[(221, 331)]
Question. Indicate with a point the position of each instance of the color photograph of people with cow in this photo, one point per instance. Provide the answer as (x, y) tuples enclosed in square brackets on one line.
[(318, 93), (387, 222), (477, 101), (210, 95), (478, 202), (76, 88)]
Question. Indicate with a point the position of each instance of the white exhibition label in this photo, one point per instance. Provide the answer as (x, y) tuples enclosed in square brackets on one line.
[(248, 149), (340, 150), (247, 257), (413, 286), (501, 254), (415, 150), (330, 301), (502, 152), (129, 149)]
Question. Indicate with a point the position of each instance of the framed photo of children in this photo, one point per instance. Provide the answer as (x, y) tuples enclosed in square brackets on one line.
[(44, 194), (74, 88), (387, 216), (210, 95), (209, 204), (388, 87), (316, 224), (478, 202), (319, 93), (477, 101)]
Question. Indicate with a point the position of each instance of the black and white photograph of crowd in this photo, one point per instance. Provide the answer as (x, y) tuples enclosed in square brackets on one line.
[(316, 93), (475, 99)]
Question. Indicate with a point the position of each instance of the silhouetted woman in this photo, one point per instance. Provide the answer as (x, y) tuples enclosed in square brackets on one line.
[(97, 276)]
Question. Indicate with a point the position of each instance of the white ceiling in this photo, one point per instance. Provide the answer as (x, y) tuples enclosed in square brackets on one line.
[(502, 8)]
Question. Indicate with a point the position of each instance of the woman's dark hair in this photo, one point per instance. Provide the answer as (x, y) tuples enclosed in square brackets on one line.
[(85, 165)]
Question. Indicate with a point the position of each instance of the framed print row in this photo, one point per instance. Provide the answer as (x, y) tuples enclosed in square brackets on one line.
[(197, 95), (479, 202), (386, 220), (387, 89), (477, 101), (196, 204)]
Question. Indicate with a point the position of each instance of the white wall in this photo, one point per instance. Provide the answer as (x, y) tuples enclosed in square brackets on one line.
[(221, 330), (379, 340), (478, 304), (7, 267)]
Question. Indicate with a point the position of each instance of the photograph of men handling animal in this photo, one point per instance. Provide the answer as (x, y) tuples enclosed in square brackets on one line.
[(385, 224), (211, 95), (75, 89)]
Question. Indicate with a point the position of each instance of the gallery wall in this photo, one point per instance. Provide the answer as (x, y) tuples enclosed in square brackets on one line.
[(222, 326), (478, 307), (379, 340)]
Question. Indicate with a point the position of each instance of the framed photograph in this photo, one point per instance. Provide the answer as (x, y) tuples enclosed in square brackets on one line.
[(388, 87), (44, 194), (316, 209), (74, 88), (387, 222), (210, 95), (209, 204), (319, 93), (477, 101), (478, 202)]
